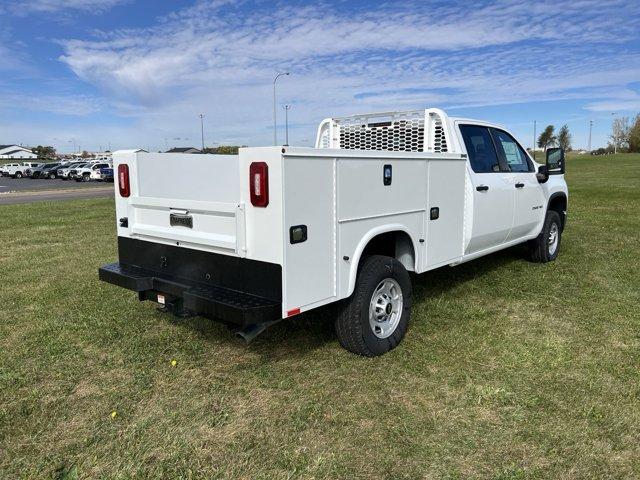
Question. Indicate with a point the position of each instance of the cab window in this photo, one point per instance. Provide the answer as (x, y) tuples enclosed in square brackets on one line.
[(512, 153), (480, 148)]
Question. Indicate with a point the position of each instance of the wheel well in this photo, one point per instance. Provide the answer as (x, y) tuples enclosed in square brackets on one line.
[(396, 244), (558, 203)]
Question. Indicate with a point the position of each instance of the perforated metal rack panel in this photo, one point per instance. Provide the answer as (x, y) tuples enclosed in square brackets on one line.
[(405, 134)]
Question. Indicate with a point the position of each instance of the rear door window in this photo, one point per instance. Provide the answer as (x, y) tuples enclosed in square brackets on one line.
[(480, 148)]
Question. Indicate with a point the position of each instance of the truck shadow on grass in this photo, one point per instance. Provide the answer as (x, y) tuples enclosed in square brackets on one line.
[(304, 333)]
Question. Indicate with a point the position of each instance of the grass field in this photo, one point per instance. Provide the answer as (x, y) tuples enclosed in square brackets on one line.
[(510, 370)]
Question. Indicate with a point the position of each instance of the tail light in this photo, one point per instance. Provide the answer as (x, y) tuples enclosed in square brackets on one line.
[(259, 184), (123, 180)]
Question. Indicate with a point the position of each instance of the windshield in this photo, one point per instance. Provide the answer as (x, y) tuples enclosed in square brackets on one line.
[(50, 165)]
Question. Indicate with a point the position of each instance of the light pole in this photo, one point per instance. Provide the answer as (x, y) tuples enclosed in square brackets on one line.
[(202, 129), (615, 138), (275, 130), (534, 139), (286, 124), (590, 129)]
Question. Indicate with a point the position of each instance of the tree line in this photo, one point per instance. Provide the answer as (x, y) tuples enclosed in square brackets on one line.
[(625, 136), (548, 138)]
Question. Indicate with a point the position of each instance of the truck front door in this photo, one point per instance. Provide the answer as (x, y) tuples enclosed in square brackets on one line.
[(493, 190), (529, 198)]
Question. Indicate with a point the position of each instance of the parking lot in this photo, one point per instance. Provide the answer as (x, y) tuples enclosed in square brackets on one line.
[(8, 184)]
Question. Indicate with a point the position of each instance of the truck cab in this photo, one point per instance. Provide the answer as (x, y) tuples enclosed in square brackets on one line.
[(253, 238)]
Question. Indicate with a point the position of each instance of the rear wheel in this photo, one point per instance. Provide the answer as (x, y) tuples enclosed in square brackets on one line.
[(375, 319), (18, 174), (546, 246)]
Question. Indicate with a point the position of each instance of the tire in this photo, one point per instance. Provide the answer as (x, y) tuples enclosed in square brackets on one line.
[(370, 337), (18, 175), (86, 178), (546, 246)]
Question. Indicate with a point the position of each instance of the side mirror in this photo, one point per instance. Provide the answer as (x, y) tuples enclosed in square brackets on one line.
[(543, 174), (555, 161)]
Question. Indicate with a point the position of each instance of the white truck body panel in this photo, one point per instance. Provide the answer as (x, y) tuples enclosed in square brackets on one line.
[(339, 195)]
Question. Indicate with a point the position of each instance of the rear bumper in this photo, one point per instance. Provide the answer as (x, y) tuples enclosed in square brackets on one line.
[(217, 303), (229, 289)]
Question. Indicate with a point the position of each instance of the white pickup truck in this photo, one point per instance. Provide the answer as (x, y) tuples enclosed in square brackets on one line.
[(275, 231)]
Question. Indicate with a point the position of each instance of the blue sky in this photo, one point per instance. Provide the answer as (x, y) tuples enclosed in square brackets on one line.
[(126, 73)]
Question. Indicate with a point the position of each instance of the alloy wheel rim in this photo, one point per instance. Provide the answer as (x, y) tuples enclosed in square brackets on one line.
[(552, 242), (385, 308)]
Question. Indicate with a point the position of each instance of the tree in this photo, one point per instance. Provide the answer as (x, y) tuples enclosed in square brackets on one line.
[(85, 154), (620, 130), (547, 138), (634, 135), (44, 153), (222, 150), (564, 138)]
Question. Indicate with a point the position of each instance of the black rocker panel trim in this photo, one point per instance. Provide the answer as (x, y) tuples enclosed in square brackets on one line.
[(190, 266)]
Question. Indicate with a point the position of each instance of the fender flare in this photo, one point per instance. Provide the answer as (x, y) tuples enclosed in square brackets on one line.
[(364, 241), (566, 199)]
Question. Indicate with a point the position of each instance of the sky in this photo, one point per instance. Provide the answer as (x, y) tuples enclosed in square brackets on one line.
[(98, 74)]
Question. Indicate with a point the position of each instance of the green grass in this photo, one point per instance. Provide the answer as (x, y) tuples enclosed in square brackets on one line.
[(510, 370)]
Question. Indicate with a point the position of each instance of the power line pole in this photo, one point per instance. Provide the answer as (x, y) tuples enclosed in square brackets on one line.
[(615, 139), (202, 129), (286, 123), (275, 127), (590, 129)]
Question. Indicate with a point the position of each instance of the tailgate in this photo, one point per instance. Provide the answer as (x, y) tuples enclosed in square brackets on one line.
[(187, 199)]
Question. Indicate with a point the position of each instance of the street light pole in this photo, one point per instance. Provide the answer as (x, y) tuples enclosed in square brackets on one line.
[(615, 139), (202, 129), (286, 124), (590, 129), (275, 129), (534, 139)]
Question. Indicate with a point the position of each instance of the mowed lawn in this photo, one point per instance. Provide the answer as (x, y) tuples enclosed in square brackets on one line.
[(510, 369)]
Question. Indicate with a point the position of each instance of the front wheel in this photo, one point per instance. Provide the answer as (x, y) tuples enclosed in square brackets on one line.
[(375, 318), (546, 246), (18, 175), (52, 176)]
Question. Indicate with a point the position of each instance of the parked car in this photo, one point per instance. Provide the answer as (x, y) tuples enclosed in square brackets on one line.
[(18, 170), (90, 171), (7, 167), (63, 171), (254, 238), (28, 172), (106, 174), (47, 171)]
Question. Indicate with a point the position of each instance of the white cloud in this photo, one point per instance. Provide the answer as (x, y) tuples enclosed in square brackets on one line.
[(219, 58), (25, 7)]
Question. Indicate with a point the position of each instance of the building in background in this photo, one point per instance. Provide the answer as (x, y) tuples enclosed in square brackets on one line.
[(16, 152), (183, 150)]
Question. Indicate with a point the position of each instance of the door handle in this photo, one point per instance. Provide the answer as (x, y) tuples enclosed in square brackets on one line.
[(519, 185), (482, 188)]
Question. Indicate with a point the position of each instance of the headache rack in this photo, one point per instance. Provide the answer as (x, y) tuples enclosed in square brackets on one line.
[(410, 131)]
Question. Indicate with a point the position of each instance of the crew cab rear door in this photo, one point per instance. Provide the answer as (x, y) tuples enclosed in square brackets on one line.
[(492, 190)]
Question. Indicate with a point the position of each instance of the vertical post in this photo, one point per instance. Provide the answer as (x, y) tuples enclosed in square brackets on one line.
[(615, 138), (534, 139), (275, 124), (202, 129), (590, 128), (286, 124)]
